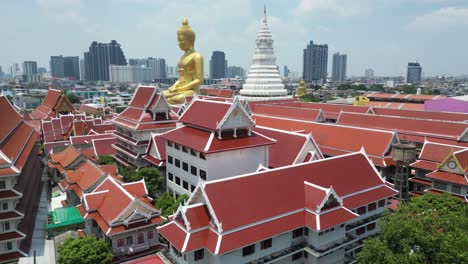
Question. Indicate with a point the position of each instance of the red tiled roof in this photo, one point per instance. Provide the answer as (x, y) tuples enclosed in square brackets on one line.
[(347, 174), (66, 157), (329, 218), (177, 235), (424, 165), (151, 259), (448, 177), (143, 96), (436, 152), (205, 113), (421, 181), (200, 139), (136, 188), (443, 116), (462, 158), (197, 216), (85, 175), (287, 147), (225, 93), (88, 138), (336, 140), (415, 127), (288, 112), (408, 97), (373, 195), (103, 146), (331, 111), (11, 120), (393, 105)]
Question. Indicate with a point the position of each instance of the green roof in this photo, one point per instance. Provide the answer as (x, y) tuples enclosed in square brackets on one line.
[(64, 217)]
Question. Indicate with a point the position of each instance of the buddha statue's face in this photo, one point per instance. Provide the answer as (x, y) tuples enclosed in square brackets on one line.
[(184, 42)]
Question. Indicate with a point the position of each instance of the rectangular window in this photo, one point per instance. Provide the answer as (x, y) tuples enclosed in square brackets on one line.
[(129, 240), (360, 230), (297, 233), (185, 185), (265, 244), (370, 226), (371, 207), (184, 149), (141, 238), (169, 144), (456, 188), (199, 254), (150, 234), (306, 231), (169, 160), (248, 250), (177, 163), (170, 176), (185, 166), (176, 252), (177, 180), (440, 185), (193, 170), (120, 242), (193, 153), (9, 246), (202, 174), (202, 156), (2, 185), (361, 210), (6, 226), (382, 203), (296, 256), (176, 146), (5, 206), (192, 188)]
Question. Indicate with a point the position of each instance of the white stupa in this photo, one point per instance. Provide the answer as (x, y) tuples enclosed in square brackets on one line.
[(263, 80)]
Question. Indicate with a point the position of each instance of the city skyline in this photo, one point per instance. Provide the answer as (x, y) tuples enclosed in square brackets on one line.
[(365, 30)]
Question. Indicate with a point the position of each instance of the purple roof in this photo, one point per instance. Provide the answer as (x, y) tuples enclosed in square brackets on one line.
[(446, 105)]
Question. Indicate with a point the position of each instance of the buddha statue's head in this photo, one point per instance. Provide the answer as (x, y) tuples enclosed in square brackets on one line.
[(185, 36)]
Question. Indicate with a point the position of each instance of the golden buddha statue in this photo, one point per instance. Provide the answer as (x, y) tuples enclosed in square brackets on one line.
[(301, 90), (190, 67)]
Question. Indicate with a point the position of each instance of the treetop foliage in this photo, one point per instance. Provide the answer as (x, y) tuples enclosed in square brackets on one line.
[(88, 250)]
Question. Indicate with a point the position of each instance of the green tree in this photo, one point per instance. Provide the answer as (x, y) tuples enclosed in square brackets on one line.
[(88, 250), (105, 160), (73, 98), (309, 98), (155, 182), (427, 229), (167, 204)]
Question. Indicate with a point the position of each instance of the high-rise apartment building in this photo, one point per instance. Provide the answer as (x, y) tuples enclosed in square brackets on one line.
[(29, 70), (158, 66), (65, 67), (413, 72), (129, 73), (285, 71), (82, 70), (315, 63), (218, 65), (99, 57), (369, 74), (339, 67), (234, 71)]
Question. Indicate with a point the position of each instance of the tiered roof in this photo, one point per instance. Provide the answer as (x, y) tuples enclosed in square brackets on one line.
[(319, 195), (17, 159), (393, 105), (214, 126), (156, 152), (54, 103), (334, 140), (299, 113), (403, 97), (442, 116), (148, 110), (224, 93), (119, 207)]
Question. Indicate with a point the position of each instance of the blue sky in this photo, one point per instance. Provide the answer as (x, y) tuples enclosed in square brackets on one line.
[(380, 34)]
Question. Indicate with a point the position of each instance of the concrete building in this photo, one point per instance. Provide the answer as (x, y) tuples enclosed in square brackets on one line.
[(158, 66), (235, 71), (218, 65), (82, 70), (339, 67), (290, 214), (285, 71), (99, 57), (369, 74), (315, 63), (56, 66), (413, 72), (127, 73), (29, 70), (264, 81)]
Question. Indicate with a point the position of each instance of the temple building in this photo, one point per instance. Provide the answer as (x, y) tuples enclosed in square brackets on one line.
[(148, 112), (264, 81), (54, 104), (20, 184), (313, 212), (441, 168)]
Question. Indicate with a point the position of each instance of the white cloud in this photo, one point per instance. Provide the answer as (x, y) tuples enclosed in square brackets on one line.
[(343, 8), (443, 18)]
